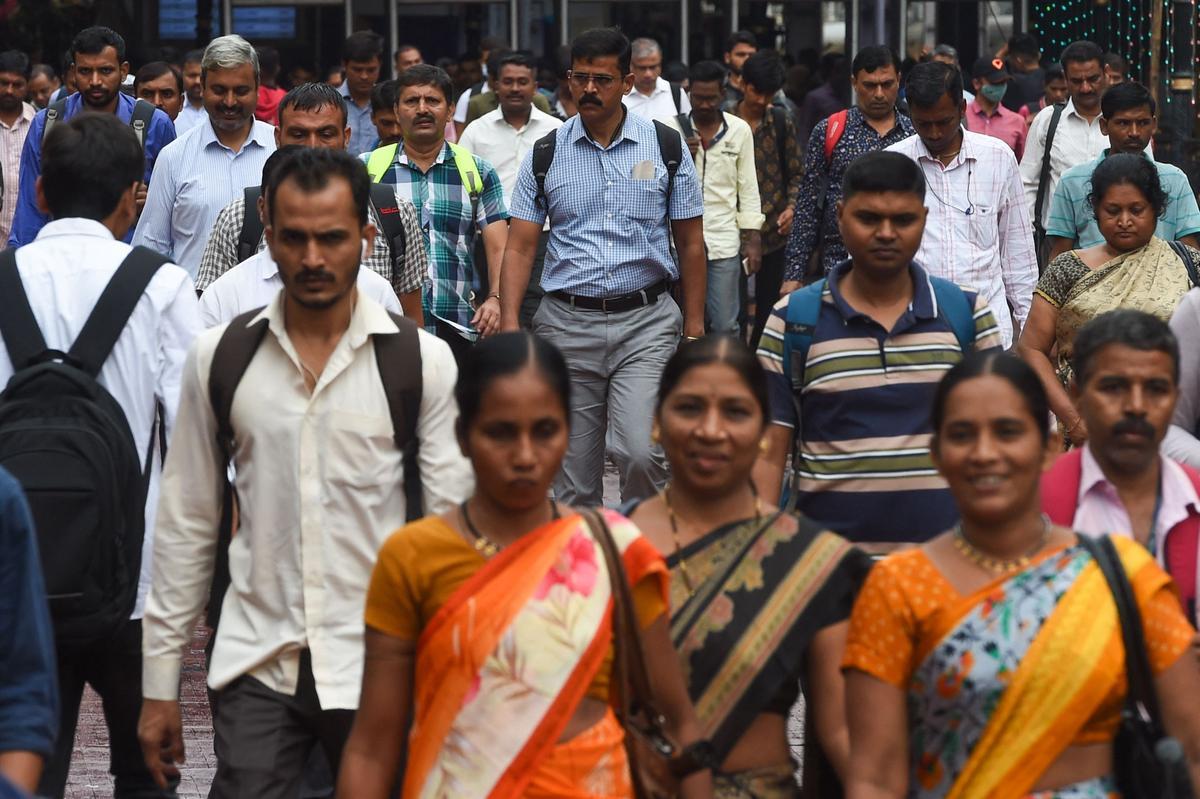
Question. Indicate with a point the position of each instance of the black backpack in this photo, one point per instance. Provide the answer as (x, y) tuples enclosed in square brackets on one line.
[(68, 442), (398, 357)]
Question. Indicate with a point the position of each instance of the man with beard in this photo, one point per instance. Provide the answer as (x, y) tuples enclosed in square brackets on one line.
[(192, 112), (98, 62), (161, 85), (16, 117), (211, 164), (741, 45), (1126, 386)]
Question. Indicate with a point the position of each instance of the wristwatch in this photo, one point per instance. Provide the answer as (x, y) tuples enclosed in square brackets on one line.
[(696, 756)]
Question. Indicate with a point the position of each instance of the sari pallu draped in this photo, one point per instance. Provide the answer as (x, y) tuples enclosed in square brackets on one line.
[(1021, 667), (503, 665)]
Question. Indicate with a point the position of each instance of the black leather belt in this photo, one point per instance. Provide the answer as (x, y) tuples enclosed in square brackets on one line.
[(623, 302)]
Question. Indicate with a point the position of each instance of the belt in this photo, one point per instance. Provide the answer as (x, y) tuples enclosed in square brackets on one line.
[(623, 302)]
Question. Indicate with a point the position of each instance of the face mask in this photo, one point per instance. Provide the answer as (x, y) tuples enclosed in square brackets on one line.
[(994, 91)]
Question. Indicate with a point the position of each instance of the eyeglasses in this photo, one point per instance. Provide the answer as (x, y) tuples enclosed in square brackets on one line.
[(580, 80)]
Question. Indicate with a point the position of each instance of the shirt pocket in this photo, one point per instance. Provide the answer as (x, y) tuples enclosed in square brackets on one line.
[(646, 197), (360, 452), (983, 222)]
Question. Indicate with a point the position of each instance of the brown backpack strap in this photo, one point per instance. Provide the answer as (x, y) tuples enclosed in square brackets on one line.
[(399, 360)]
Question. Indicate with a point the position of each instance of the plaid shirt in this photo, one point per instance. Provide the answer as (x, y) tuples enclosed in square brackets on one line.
[(444, 208), (220, 253)]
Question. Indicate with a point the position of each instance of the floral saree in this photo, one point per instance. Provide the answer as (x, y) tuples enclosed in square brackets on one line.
[(503, 665)]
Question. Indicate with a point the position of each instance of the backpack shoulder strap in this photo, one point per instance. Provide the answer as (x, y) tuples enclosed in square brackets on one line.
[(676, 95), (1189, 263), (834, 128), (779, 116), (803, 312), (233, 354), (670, 147), (1060, 487), (954, 308), (543, 157), (1044, 174), (139, 120), (383, 197), (252, 226), (467, 170), (22, 337), (398, 357), (54, 113), (112, 311), (379, 160)]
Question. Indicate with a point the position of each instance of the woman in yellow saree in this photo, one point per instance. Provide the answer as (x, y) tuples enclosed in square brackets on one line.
[(988, 663), (491, 626)]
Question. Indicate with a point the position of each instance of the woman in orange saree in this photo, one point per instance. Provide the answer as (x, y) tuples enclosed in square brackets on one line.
[(988, 663), (491, 626)]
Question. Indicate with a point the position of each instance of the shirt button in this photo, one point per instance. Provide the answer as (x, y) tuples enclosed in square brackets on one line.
[(610, 183), (610, 216)]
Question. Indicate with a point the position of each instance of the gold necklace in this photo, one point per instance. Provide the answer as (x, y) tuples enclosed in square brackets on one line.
[(484, 545), (683, 572), (996, 565)]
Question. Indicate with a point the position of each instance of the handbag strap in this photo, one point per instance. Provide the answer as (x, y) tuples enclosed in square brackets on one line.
[(1141, 696)]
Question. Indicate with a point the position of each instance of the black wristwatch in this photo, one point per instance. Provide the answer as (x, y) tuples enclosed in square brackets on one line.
[(696, 756)]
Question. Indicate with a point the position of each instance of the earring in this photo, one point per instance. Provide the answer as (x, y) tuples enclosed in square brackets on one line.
[(654, 438), (764, 446)]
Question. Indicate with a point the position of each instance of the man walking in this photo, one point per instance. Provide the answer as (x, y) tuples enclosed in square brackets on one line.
[(362, 56), (193, 111), (91, 170), (977, 233), (161, 85), (286, 664), (653, 97), (985, 114), (16, 119), (98, 63), (613, 198), (212, 163)]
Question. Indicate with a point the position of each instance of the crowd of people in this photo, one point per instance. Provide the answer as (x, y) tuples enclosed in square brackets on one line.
[(889, 359)]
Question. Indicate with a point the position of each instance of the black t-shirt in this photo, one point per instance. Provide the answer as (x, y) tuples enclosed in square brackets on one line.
[(1024, 88)]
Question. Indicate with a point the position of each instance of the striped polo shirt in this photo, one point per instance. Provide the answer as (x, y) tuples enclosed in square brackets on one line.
[(864, 426)]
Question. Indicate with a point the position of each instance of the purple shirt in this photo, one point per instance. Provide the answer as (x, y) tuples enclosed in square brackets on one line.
[(1007, 126)]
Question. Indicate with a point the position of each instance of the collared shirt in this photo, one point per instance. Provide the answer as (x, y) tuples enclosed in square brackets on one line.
[(659, 104), (443, 205), (492, 137), (857, 138), (608, 225), (977, 232), (864, 427), (321, 487), (410, 269), (362, 129), (196, 177), (775, 194), (64, 270), (1076, 141), (486, 102), (1007, 126), (255, 282), (1071, 216), (189, 117), (28, 220), (12, 142), (730, 185)]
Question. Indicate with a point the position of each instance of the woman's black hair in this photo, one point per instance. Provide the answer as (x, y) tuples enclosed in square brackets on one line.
[(1019, 375), (1127, 168), (716, 348), (502, 355)]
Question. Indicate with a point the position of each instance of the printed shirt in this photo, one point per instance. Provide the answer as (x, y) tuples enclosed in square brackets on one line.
[(1076, 141), (362, 129), (977, 232), (12, 142), (1007, 126), (454, 284), (28, 220), (659, 104), (858, 138), (609, 231), (864, 426), (195, 178), (1071, 216), (775, 194), (730, 184)]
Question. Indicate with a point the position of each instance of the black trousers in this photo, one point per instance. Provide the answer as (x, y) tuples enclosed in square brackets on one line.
[(766, 291), (114, 670), (459, 346)]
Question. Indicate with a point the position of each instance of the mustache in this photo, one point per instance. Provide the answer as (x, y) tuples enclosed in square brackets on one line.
[(588, 99), (315, 276), (1133, 426), (423, 118)]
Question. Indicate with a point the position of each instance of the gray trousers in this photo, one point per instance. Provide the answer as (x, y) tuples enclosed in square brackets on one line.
[(615, 361)]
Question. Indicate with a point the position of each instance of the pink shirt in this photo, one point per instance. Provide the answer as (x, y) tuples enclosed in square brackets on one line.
[(1007, 126)]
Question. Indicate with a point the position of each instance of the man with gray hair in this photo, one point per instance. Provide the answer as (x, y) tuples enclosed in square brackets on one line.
[(212, 163), (947, 54), (652, 96)]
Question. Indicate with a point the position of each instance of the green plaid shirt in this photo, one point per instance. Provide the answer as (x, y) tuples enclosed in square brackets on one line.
[(444, 207)]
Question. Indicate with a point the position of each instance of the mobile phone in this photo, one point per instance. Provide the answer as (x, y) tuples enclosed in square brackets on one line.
[(746, 266)]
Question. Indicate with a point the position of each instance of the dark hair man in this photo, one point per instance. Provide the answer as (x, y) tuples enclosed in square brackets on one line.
[(873, 123), (985, 114), (186, 196), (43, 82), (269, 91), (192, 112), (161, 85), (831, 96), (1128, 119), (1115, 68), (383, 113), (738, 47), (1126, 385), (1022, 57), (91, 169), (97, 58), (362, 56), (16, 120), (1077, 137), (977, 232), (314, 115), (466, 198), (881, 304), (475, 75), (1054, 90), (407, 55), (488, 101), (612, 209), (295, 625)]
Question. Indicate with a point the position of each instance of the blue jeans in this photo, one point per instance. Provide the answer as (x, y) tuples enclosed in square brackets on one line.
[(723, 305)]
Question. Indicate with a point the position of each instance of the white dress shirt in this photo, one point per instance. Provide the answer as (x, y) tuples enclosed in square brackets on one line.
[(730, 184), (659, 104), (12, 141), (64, 271), (194, 177), (320, 488), (189, 117), (1076, 141), (255, 281), (977, 233), (493, 138)]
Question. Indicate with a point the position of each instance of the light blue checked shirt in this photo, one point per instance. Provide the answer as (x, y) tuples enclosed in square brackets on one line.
[(195, 177), (362, 130), (608, 230)]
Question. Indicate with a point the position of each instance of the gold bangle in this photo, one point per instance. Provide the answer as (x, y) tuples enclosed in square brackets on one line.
[(495, 294)]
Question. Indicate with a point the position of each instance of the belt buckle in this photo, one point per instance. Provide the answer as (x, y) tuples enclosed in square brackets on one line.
[(604, 305)]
